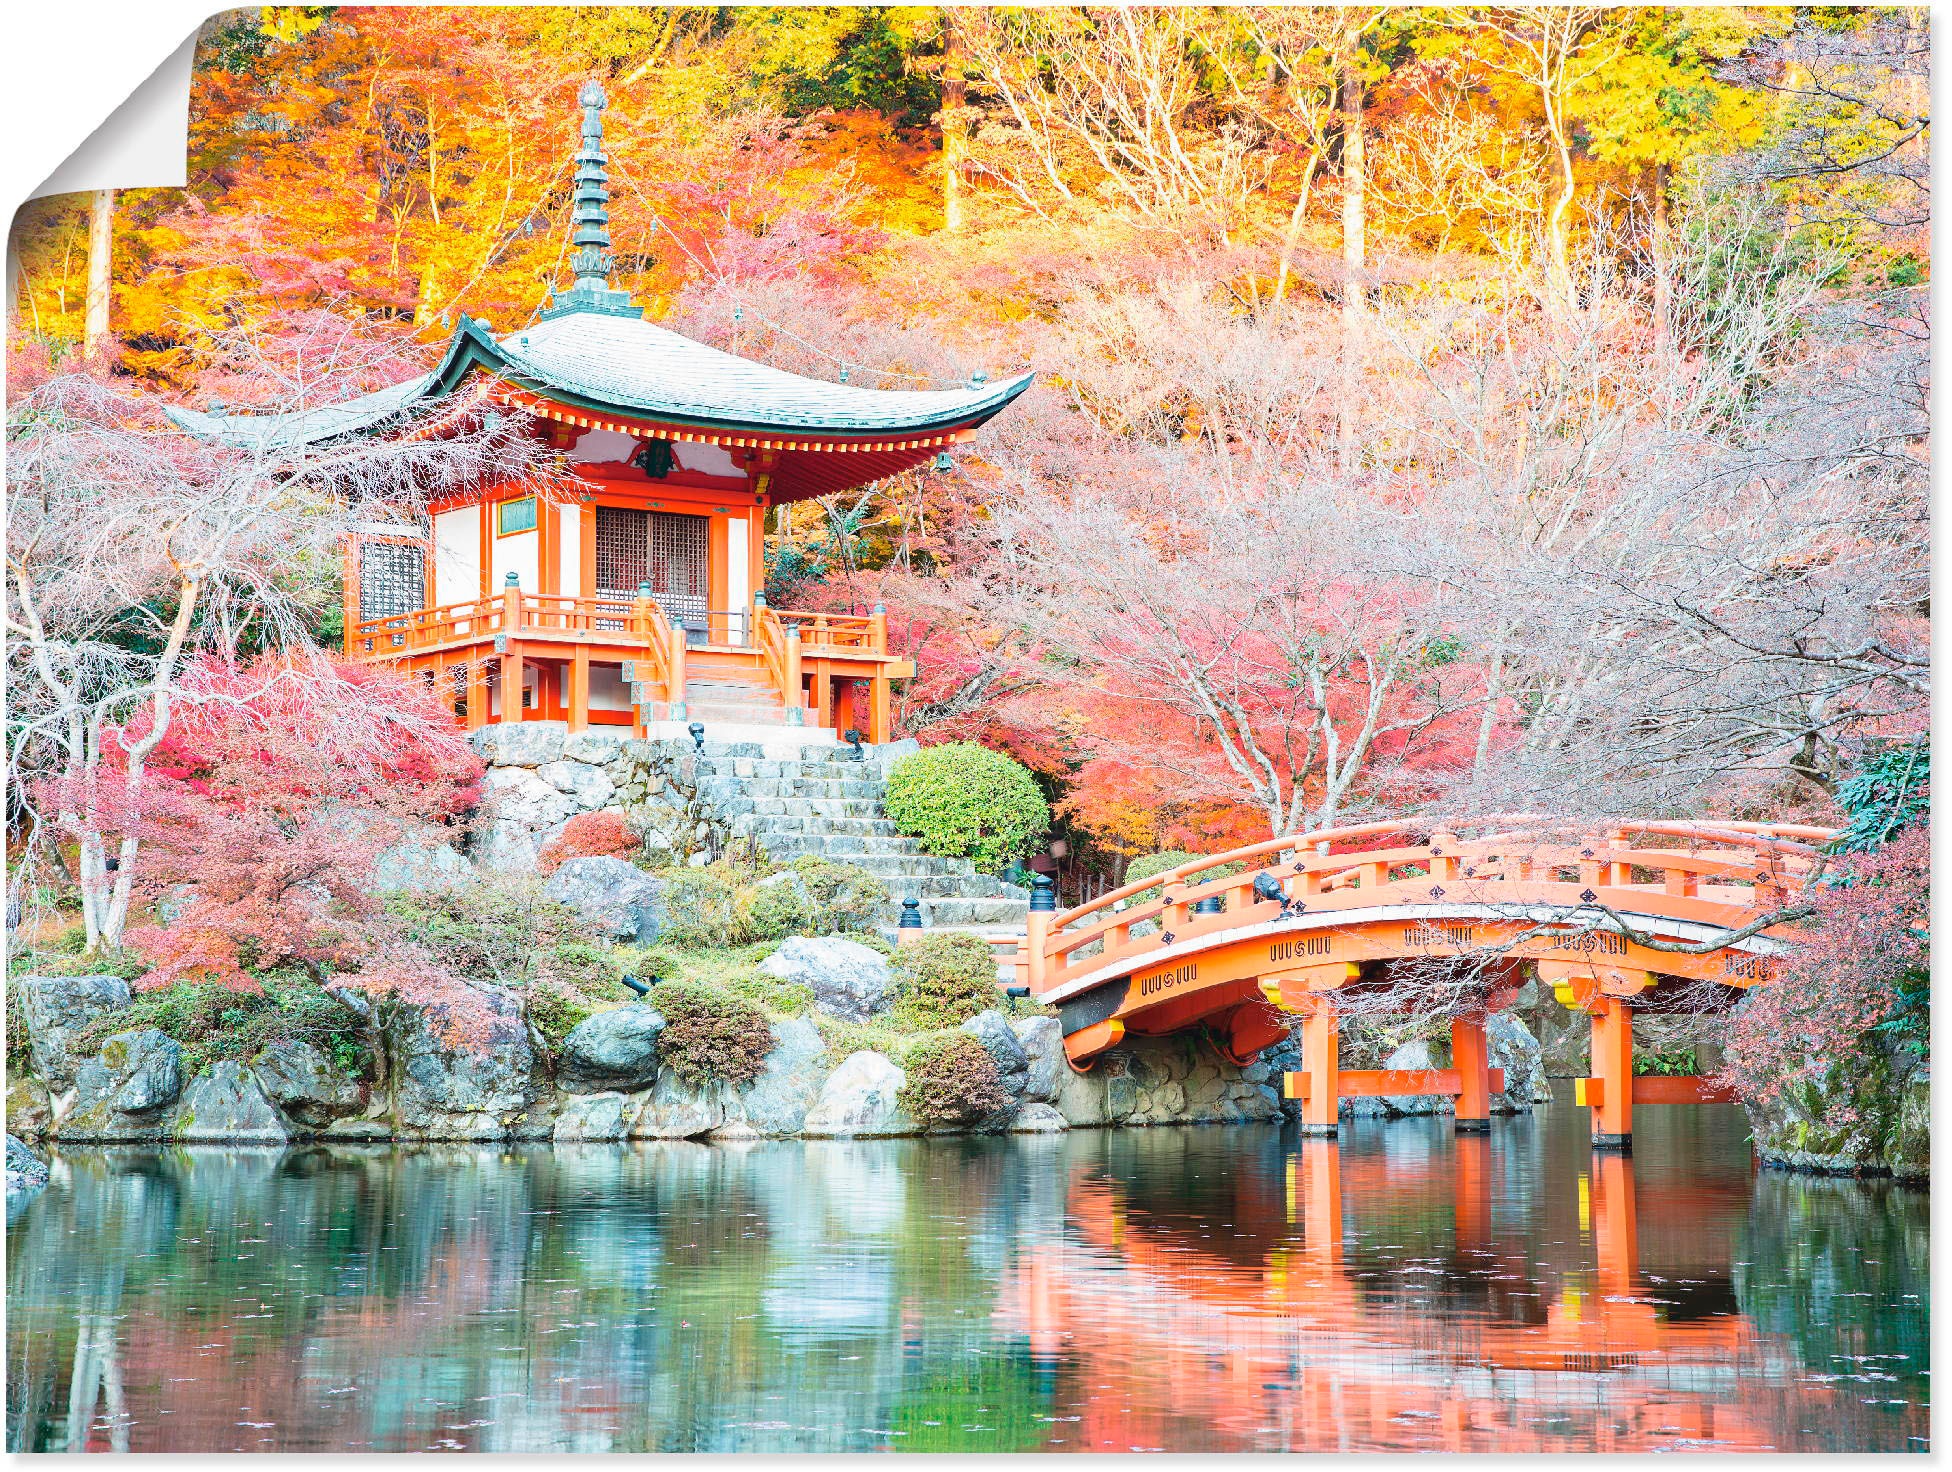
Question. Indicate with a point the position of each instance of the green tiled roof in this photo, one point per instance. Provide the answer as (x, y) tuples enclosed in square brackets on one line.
[(601, 361)]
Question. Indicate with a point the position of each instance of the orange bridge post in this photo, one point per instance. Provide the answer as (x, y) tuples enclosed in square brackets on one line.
[(1321, 1039), (1609, 1091), (1470, 1057)]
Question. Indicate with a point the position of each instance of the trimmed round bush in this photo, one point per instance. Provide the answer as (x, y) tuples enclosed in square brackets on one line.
[(1147, 865), (710, 1036), (965, 801), (946, 978), (952, 1081)]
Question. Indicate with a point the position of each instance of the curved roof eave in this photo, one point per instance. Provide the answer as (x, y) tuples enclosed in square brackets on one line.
[(473, 349)]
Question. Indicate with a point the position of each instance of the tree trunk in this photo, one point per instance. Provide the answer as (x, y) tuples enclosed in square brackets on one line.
[(955, 124), (1663, 258), (1295, 220), (1354, 178), (101, 247)]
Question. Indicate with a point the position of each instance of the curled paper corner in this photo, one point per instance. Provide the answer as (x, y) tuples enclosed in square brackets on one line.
[(143, 144)]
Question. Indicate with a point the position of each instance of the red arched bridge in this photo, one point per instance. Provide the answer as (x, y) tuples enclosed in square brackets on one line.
[(1634, 917)]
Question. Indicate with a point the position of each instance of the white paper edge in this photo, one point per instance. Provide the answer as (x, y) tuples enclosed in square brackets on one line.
[(143, 144)]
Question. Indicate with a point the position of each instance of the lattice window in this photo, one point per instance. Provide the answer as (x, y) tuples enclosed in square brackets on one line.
[(665, 549), (392, 579)]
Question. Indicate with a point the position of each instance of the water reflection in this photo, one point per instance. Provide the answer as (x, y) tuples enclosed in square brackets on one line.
[(1205, 1289)]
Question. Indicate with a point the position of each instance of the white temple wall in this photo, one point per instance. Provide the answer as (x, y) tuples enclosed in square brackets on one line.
[(457, 555), (569, 550), (738, 573), (520, 555)]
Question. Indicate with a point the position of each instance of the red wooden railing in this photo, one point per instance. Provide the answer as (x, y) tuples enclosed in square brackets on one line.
[(1723, 873)]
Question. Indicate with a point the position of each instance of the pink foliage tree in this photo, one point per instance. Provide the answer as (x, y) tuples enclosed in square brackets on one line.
[(1868, 946), (264, 809)]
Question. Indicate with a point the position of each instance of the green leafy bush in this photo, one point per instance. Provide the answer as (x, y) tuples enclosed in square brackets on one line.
[(965, 801), (210, 1021), (951, 1081), (1146, 865), (744, 899), (504, 933), (845, 897), (710, 1035), (944, 979)]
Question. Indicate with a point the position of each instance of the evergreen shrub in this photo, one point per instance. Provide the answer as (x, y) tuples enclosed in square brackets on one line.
[(951, 1081), (211, 1021), (965, 801), (944, 979), (710, 1035)]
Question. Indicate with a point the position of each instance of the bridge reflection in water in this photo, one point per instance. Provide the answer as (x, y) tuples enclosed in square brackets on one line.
[(1402, 1289), (1203, 1289)]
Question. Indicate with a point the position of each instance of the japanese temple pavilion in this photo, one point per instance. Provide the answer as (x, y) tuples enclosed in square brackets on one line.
[(639, 601)]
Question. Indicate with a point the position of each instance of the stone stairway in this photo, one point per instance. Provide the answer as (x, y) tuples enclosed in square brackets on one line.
[(826, 803)]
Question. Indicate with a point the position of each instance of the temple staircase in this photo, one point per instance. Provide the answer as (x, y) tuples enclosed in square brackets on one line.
[(822, 801)]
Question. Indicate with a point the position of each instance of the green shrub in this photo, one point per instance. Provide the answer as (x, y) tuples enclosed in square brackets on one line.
[(1146, 865), (845, 896), (744, 899), (774, 993), (952, 1081), (211, 1022), (965, 801), (944, 979), (710, 1035)]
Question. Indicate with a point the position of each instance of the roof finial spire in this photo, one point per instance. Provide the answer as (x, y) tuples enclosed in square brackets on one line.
[(592, 262)]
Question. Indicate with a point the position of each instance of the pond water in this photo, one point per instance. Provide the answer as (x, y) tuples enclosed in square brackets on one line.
[(1206, 1289)]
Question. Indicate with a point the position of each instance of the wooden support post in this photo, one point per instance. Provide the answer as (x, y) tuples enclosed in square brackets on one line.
[(1320, 1046), (795, 697), (823, 695), (880, 720), (511, 680), (1612, 1071), (349, 592), (1036, 929), (1470, 1058), (477, 691), (674, 695), (579, 688), (878, 629)]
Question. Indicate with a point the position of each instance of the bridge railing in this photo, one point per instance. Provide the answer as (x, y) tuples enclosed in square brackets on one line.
[(1723, 873)]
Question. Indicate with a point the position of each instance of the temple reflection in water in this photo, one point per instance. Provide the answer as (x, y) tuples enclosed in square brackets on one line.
[(1216, 1289)]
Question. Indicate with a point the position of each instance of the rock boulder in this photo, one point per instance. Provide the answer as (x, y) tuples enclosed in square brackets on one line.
[(614, 898), (992, 1029), (592, 1117), (26, 1171), (611, 1050), (303, 1083), (54, 1009), (463, 1090), (1042, 1040), (848, 980), (1510, 1045), (123, 1092), (226, 1102), (858, 1100)]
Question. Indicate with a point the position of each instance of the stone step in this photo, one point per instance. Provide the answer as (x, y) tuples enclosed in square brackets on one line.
[(973, 913), (710, 712), (847, 848), (815, 807), (761, 786), (893, 869), (785, 824)]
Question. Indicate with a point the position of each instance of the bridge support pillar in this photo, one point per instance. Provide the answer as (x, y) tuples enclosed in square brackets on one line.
[(1321, 1041), (1470, 1057), (1612, 1075)]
